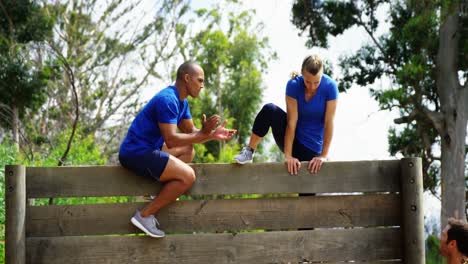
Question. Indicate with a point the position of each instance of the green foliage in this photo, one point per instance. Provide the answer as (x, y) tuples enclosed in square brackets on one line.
[(432, 250), (228, 152), (105, 52), (234, 57), (408, 143), (23, 24), (432, 243), (21, 87), (84, 151)]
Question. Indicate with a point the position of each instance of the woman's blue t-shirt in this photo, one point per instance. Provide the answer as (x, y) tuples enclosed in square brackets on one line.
[(144, 134), (311, 115)]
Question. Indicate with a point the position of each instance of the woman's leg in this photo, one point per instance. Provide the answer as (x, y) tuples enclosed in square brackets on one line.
[(270, 116), (301, 152)]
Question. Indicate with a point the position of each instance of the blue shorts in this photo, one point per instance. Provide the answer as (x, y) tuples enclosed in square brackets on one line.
[(150, 164)]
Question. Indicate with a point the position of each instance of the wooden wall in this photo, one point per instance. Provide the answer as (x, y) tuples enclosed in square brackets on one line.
[(358, 214)]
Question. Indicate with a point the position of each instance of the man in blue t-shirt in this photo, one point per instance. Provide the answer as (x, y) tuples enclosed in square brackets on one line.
[(155, 148)]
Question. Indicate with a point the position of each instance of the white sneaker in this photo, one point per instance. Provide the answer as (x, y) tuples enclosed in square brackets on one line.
[(245, 156), (149, 225)]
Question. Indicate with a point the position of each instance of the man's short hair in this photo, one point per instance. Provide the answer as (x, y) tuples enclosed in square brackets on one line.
[(187, 67), (458, 231)]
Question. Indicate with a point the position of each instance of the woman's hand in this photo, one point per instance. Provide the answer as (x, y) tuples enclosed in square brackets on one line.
[(294, 165), (316, 163)]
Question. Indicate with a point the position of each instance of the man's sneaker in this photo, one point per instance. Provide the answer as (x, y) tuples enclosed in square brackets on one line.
[(245, 156), (149, 225)]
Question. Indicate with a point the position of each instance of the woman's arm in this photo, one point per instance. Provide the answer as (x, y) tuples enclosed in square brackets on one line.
[(316, 163), (329, 126), (291, 108)]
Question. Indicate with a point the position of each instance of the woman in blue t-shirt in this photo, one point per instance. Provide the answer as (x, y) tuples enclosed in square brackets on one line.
[(305, 132)]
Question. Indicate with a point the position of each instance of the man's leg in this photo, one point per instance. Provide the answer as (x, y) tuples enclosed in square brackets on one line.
[(178, 178), (184, 153)]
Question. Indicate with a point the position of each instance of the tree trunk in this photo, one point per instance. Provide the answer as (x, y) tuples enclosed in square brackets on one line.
[(452, 101), (15, 126), (453, 164)]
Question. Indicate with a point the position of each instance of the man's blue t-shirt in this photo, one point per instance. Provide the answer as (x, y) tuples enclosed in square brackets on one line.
[(311, 115), (144, 134)]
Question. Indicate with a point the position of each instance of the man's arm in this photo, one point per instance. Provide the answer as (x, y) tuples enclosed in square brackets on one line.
[(187, 126), (192, 135), (174, 139)]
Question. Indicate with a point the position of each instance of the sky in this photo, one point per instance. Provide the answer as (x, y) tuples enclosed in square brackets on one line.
[(361, 129)]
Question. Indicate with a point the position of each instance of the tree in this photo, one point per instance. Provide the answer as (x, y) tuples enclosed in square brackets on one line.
[(234, 57), (100, 57), (425, 54), (22, 83)]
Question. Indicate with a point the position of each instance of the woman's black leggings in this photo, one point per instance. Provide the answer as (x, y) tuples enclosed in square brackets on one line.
[(275, 117)]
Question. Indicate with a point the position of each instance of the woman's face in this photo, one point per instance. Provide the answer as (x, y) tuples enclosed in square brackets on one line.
[(312, 82)]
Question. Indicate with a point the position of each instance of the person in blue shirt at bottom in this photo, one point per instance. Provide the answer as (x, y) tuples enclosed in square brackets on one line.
[(454, 241), (154, 148), (305, 131)]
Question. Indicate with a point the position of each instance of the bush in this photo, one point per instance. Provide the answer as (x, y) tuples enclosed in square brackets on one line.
[(84, 151)]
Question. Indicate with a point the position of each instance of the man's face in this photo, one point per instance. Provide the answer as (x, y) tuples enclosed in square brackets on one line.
[(447, 248), (195, 82), (443, 242)]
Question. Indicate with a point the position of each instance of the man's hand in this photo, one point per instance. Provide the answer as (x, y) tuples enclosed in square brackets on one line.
[(221, 133), (294, 165), (210, 124), (316, 163)]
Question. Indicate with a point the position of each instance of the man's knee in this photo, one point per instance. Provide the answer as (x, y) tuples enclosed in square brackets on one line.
[(188, 177)]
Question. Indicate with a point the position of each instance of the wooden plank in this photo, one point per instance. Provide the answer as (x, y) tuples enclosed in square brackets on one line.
[(220, 215), (412, 210), (15, 218), (258, 178), (391, 261), (266, 247)]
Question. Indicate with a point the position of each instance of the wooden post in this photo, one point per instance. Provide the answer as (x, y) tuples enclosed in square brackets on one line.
[(15, 200), (413, 215)]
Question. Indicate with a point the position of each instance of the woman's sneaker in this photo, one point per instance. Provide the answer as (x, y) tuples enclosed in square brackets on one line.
[(149, 225), (245, 156)]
